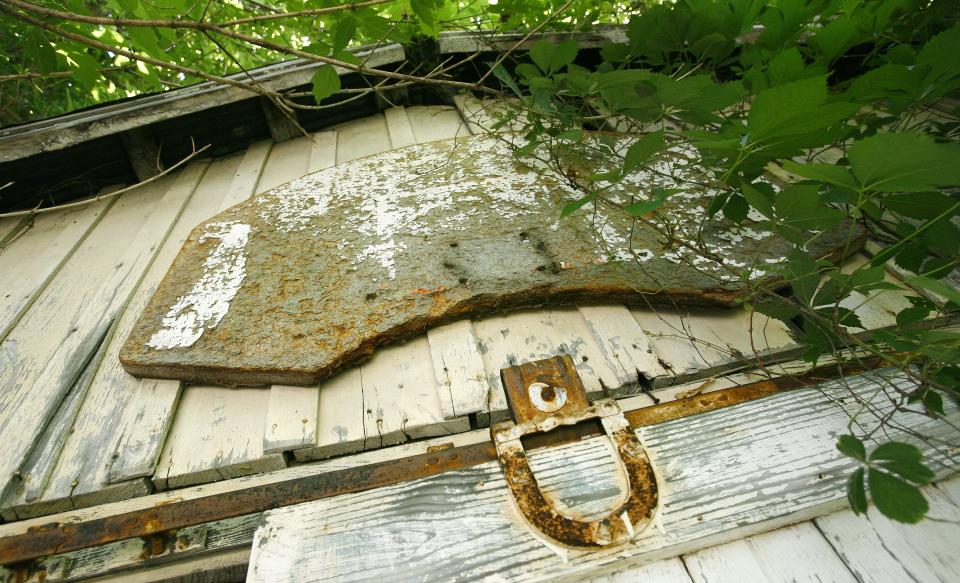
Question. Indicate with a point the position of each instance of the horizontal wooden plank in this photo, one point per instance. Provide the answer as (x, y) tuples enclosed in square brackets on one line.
[(723, 475)]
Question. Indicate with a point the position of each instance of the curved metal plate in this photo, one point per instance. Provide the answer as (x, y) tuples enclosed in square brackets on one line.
[(311, 276)]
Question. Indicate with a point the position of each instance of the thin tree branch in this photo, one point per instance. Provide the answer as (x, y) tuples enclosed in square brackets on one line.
[(311, 12), (204, 26), (37, 211)]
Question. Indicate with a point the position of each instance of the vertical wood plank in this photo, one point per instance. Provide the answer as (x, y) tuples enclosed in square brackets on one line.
[(362, 137), (36, 251), (400, 400), (795, 553), (703, 341), (24, 500), (138, 434), (458, 369), (666, 571), (217, 434), (624, 343), (431, 123), (323, 154), (248, 173), (398, 125), (340, 414), (289, 409), (528, 335), (288, 160), (113, 435), (877, 549), (55, 339)]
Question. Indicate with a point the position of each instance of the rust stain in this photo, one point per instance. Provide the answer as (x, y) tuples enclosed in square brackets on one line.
[(312, 276), (554, 379), (54, 537)]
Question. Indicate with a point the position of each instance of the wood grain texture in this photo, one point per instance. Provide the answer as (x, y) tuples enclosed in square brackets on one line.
[(400, 400), (723, 475), (125, 556), (340, 418), (362, 137), (461, 380), (793, 554), (52, 343), (291, 418), (920, 552), (667, 571), (323, 153), (150, 410), (116, 435), (398, 126), (33, 255), (624, 344), (701, 342), (217, 434), (24, 499), (435, 122)]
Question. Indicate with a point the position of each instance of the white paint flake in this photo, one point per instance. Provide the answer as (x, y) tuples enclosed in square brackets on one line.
[(209, 299)]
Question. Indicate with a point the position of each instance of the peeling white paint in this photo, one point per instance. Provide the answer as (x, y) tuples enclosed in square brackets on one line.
[(209, 299)]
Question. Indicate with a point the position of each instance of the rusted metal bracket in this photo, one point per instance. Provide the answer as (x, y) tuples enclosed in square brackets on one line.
[(547, 394)]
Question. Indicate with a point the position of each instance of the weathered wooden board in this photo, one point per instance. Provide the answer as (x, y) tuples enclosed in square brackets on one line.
[(723, 475), (113, 443), (65, 130), (697, 342), (76, 310), (921, 552), (124, 556), (32, 256), (309, 277), (795, 553)]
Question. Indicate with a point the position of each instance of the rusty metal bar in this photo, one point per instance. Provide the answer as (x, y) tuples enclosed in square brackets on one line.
[(55, 538)]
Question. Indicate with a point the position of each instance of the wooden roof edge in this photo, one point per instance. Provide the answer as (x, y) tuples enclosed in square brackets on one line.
[(47, 135), (60, 132)]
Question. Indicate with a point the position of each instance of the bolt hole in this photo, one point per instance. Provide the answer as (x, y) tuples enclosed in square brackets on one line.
[(454, 244)]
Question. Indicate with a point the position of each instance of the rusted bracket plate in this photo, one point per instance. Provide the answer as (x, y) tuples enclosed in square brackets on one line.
[(547, 394), (312, 275)]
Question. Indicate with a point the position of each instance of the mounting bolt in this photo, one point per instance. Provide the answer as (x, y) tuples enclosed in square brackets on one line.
[(546, 398)]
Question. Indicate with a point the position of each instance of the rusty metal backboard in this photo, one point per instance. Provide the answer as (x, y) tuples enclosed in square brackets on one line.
[(311, 276)]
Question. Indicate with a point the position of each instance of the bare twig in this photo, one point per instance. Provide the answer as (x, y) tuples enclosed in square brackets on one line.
[(299, 13), (59, 207)]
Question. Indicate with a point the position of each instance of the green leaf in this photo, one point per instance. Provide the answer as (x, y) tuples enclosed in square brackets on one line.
[(933, 401), (326, 82), (344, 32), (896, 450), (572, 207), (794, 108), (829, 173), (541, 53), (856, 493), (644, 208), (912, 471), (904, 162), (799, 207), (641, 151), (936, 286), (758, 199), (500, 73), (920, 205), (895, 498), (851, 446)]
